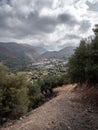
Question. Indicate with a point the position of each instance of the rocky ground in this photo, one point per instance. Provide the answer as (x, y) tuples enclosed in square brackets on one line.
[(63, 112)]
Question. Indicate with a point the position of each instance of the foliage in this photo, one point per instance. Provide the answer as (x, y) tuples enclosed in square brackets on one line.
[(13, 93), (49, 82), (83, 64), (76, 65), (35, 95), (18, 94)]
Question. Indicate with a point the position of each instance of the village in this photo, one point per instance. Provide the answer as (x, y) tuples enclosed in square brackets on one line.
[(47, 67)]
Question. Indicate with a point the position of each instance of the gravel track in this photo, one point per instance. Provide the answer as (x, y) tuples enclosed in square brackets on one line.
[(63, 112)]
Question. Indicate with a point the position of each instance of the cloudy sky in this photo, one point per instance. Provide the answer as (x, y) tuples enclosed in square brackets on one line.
[(51, 23)]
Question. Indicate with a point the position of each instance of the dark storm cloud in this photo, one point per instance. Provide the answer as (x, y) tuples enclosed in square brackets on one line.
[(41, 23), (67, 18), (19, 26), (23, 19), (72, 21), (29, 25), (47, 24)]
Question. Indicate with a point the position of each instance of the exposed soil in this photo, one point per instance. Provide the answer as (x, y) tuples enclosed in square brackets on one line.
[(63, 112)]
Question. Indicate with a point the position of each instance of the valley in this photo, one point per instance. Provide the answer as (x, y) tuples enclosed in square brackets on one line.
[(49, 65), (20, 56)]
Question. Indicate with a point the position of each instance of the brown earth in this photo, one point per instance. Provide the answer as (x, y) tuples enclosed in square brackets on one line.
[(63, 112)]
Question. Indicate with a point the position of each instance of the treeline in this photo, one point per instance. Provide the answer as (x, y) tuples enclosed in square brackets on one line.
[(18, 94), (83, 64)]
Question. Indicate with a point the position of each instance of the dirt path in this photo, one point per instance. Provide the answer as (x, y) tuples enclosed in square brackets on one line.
[(63, 112)]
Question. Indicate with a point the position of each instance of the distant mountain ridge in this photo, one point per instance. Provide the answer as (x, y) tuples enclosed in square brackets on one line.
[(65, 52), (16, 55)]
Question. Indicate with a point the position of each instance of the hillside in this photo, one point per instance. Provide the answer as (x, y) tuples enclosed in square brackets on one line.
[(65, 52), (19, 55), (16, 55)]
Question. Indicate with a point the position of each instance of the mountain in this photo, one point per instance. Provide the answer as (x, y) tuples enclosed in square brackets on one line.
[(65, 52), (40, 49), (16, 55)]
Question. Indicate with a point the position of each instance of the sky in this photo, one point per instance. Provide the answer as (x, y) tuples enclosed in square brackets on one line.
[(53, 24)]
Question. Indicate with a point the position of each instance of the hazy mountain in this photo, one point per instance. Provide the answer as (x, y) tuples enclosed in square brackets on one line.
[(65, 52), (14, 55), (40, 49), (19, 55)]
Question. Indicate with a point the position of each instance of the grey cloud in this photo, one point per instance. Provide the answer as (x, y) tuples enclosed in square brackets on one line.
[(44, 3), (93, 6), (67, 37), (41, 23), (70, 43), (72, 36), (67, 18), (22, 26), (85, 25), (47, 24), (5, 17), (21, 19), (14, 21)]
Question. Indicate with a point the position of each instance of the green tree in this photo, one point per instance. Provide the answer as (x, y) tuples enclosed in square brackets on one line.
[(92, 63), (76, 64), (83, 64)]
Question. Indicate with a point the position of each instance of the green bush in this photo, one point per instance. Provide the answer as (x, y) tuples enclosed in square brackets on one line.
[(49, 82), (35, 95), (13, 94)]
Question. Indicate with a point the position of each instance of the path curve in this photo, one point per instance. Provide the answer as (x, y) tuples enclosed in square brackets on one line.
[(63, 112)]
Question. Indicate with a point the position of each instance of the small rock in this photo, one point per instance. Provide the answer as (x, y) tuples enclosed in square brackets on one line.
[(20, 118), (69, 128)]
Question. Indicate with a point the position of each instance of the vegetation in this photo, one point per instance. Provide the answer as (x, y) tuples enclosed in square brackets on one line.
[(83, 64), (19, 93), (13, 93), (49, 82)]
